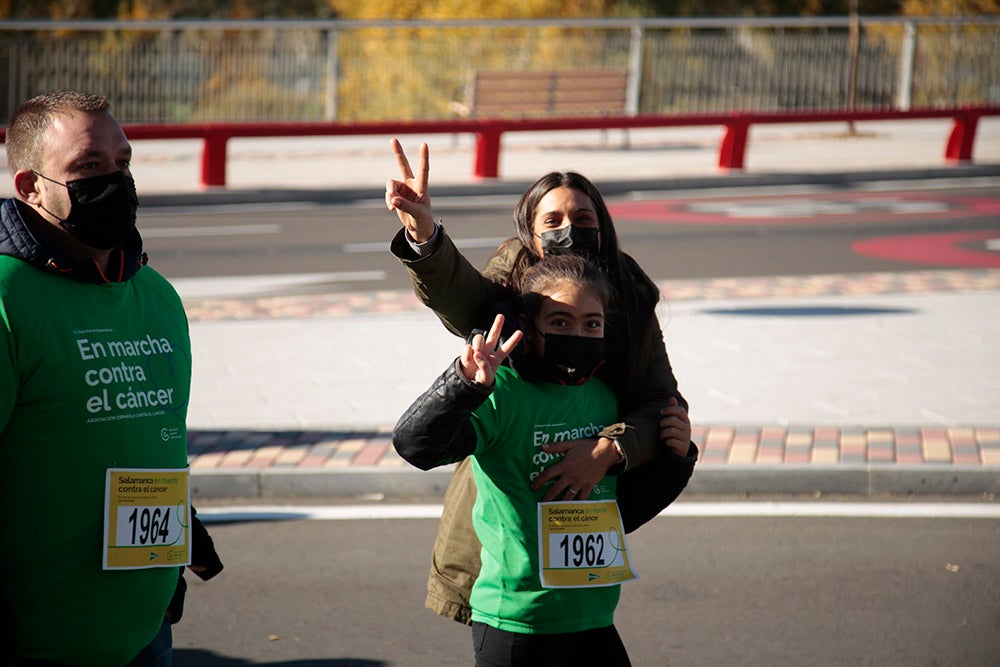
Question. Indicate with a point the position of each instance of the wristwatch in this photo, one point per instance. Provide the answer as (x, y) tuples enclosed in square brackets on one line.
[(618, 448)]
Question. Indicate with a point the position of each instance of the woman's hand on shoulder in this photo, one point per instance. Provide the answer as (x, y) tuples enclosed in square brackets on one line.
[(481, 358), (409, 197)]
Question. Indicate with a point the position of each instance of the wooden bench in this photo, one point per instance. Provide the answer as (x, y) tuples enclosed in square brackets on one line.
[(554, 93)]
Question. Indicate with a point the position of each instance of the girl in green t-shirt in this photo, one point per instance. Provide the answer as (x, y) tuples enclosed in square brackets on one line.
[(501, 415)]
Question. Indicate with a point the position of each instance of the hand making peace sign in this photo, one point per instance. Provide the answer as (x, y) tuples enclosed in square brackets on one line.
[(481, 358), (409, 197)]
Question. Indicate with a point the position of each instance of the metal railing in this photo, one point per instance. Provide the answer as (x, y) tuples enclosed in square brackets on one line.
[(251, 71)]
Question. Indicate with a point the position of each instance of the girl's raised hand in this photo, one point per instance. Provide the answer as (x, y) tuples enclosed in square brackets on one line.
[(481, 358), (409, 197)]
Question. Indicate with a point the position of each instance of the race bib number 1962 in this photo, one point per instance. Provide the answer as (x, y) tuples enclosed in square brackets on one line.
[(147, 518), (582, 544)]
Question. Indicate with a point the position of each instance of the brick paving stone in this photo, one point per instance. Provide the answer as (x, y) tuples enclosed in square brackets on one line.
[(743, 448), (206, 461), (990, 457), (390, 459), (964, 447), (824, 434), (908, 444), (264, 457), (962, 435), (799, 439), (881, 455), (965, 452), (325, 450), (347, 449), (881, 435), (673, 290), (935, 444), (313, 460), (804, 456), (717, 443), (291, 456), (988, 436), (853, 447), (967, 458), (770, 455), (370, 455), (338, 461), (235, 459), (825, 456)]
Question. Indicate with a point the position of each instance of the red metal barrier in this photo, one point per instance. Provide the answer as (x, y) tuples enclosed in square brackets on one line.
[(489, 132)]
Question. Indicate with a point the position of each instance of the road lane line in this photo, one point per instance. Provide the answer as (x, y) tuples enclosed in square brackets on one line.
[(222, 230), (259, 285), (916, 510), (383, 246)]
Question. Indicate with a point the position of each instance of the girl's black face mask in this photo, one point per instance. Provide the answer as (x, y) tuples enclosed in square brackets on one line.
[(102, 209), (569, 360), (571, 239)]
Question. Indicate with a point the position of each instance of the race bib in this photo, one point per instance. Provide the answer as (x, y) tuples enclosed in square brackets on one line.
[(582, 544), (147, 518)]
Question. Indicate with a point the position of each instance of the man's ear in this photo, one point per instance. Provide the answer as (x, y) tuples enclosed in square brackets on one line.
[(26, 186)]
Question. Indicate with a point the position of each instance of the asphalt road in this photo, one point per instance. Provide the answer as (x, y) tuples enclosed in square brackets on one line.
[(713, 590), (761, 232), (748, 591)]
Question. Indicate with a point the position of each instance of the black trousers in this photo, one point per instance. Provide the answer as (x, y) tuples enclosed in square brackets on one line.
[(499, 648)]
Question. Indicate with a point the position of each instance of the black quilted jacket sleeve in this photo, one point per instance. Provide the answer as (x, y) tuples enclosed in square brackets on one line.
[(435, 429)]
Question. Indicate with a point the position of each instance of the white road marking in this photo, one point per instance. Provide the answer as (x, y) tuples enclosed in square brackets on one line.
[(259, 285), (383, 246), (915, 510), (223, 230)]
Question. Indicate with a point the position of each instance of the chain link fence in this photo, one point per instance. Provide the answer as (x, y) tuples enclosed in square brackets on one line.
[(198, 71)]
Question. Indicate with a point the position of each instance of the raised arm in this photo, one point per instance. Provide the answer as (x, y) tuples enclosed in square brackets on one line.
[(409, 197), (443, 279), (436, 428)]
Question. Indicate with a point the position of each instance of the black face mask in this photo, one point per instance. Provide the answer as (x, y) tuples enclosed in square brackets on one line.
[(102, 209), (569, 360), (571, 239)]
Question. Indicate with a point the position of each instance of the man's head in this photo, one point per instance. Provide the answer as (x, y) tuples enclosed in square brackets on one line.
[(58, 147), (29, 124)]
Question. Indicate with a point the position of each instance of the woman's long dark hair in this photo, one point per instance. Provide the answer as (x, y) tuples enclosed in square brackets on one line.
[(636, 295)]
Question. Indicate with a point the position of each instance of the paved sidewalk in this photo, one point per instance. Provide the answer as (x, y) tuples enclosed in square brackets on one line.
[(870, 388)]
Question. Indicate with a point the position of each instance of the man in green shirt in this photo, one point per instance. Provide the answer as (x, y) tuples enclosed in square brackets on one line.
[(95, 371)]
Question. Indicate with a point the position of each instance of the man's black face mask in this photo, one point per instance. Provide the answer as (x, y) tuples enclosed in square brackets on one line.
[(102, 209)]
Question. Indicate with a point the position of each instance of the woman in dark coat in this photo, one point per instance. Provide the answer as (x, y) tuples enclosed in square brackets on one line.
[(559, 213)]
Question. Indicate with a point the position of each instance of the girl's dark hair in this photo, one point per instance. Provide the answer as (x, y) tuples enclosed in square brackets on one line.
[(634, 295), (548, 273)]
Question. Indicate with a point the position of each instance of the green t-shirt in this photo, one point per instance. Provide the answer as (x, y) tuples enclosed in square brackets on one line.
[(511, 426), (91, 377)]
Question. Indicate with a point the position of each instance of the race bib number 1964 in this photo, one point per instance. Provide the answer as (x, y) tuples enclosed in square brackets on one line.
[(147, 518)]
